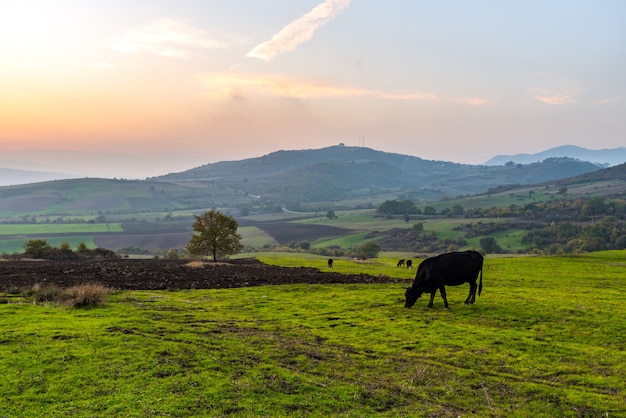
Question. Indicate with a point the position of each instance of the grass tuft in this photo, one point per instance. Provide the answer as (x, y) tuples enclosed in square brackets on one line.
[(40, 293), (85, 295), (80, 296)]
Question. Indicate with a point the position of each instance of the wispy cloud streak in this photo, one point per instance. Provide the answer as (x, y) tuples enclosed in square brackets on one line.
[(299, 31), (241, 86), (561, 98), (166, 37)]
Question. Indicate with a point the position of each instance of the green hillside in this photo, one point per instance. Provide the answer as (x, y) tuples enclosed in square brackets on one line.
[(341, 173), (301, 186)]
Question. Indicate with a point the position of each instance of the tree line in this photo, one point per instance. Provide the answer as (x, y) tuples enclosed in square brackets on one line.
[(559, 226)]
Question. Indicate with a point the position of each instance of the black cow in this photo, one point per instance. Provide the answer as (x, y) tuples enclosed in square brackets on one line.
[(451, 269), (400, 263), (330, 263), (409, 264)]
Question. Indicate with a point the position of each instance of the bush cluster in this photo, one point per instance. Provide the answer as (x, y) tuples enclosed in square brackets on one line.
[(41, 249)]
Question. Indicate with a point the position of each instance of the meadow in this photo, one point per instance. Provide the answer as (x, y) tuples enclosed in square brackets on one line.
[(545, 339)]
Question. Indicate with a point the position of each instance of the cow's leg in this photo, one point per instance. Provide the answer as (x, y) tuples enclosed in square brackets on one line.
[(442, 291), (471, 298), (432, 298)]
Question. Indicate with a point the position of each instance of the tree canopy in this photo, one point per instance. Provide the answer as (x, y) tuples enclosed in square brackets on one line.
[(395, 207), (215, 234)]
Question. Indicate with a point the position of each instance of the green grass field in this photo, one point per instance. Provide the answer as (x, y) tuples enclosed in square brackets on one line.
[(545, 339), (13, 236), (30, 229)]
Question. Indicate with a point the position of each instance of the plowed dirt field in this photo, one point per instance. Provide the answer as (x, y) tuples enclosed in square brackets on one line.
[(166, 274)]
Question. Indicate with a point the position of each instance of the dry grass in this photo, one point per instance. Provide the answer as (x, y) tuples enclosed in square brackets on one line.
[(196, 264), (80, 296), (85, 295)]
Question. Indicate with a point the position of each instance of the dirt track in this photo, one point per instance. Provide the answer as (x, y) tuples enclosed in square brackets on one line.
[(165, 274)]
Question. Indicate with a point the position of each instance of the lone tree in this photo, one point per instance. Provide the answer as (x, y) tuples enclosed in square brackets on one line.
[(368, 250), (37, 248), (214, 234)]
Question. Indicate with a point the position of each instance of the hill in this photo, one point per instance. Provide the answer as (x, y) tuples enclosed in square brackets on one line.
[(340, 173), (346, 176), (606, 157), (267, 193), (12, 176)]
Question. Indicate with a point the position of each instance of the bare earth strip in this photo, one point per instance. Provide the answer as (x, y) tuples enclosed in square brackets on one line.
[(166, 274)]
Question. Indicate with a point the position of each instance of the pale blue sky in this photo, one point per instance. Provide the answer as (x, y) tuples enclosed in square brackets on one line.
[(162, 86)]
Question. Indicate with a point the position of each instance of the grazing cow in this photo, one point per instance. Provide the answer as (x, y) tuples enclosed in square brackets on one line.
[(409, 264), (451, 269), (330, 263), (400, 263)]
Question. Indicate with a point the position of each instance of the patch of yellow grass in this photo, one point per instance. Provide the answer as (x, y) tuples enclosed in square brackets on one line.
[(89, 294), (196, 264)]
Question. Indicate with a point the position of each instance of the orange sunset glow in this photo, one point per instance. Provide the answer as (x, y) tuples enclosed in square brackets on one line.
[(173, 85)]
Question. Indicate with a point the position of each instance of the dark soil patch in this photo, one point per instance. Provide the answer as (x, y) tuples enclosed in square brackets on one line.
[(166, 274), (161, 240), (288, 232)]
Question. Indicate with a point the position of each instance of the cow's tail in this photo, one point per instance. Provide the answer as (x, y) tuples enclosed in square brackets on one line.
[(480, 283)]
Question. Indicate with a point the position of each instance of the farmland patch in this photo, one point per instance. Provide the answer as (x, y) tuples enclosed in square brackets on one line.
[(286, 232)]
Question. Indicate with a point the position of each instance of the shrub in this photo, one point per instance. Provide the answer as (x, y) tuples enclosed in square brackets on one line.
[(40, 293), (85, 295), (103, 253), (82, 248), (62, 254), (37, 248)]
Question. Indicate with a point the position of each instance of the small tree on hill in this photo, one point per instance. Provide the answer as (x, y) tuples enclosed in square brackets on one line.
[(368, 250), (82, 248), (215, 234), (37, 248), (490, 245)]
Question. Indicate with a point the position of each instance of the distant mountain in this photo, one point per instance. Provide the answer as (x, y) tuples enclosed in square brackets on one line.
[(11, 176), (617, 172), (340, 173), (326, 176), (603, 157)]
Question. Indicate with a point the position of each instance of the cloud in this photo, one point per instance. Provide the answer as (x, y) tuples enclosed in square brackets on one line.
[(242, 86), (431, 97), (166, 37), (298, 31), (561, 98)]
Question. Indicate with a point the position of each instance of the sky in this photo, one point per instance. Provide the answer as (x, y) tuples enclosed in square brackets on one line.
[(132, 89)]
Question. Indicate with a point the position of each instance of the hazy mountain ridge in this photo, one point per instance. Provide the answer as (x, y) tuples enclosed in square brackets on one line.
[(341, 172), (14, 176), (154, 213), (326, 175), (617, 172), (283, 161), (604, 157)]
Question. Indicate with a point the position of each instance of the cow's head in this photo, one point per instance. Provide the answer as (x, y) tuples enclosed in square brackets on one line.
[(412, 295)]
